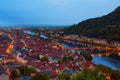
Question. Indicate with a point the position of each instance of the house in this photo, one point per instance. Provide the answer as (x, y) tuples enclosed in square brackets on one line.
[(108, 77), (4, 76), (68, 72), (88, 65), (53, 73), (9, 58), (21, 59)]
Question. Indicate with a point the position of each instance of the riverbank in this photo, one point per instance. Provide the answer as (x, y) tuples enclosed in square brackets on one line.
[(107, 61)]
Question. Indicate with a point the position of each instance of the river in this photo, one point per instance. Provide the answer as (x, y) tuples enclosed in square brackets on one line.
[(107, 61)]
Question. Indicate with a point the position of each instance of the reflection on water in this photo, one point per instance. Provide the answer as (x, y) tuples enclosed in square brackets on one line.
[(45, 37), (29, 32), (112, 63), (107, 61)]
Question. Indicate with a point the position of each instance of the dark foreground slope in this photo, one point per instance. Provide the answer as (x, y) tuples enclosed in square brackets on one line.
[(106, 27)]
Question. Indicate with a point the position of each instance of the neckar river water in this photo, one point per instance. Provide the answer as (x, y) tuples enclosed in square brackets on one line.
[(107, 61)]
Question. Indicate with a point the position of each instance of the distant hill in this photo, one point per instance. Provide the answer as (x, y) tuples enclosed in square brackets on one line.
[(106, 27)]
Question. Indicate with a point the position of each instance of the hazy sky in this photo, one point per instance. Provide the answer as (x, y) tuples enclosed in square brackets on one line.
[(53, 11)]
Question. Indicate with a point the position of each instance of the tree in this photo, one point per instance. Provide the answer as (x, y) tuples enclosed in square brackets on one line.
[(87, 56), (14, 74), (45, 58), (26, 71), (114, 75), (63, 60), (29, 71), (63, 77), (89, 75), (40, 77)]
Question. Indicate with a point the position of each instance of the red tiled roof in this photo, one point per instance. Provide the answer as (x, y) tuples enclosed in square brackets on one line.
[(53, 73), (62, 66)]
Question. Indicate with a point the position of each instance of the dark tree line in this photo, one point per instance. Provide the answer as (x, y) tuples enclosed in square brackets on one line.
[(106, 27)]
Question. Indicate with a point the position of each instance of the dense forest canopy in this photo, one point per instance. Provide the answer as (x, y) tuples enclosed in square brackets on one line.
[(105, 27)]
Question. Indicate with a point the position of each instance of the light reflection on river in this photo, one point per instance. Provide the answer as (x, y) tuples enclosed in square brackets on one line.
[(107, 61)]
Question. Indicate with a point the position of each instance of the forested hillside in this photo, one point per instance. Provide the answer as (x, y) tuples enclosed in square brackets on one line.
[(106, 27)]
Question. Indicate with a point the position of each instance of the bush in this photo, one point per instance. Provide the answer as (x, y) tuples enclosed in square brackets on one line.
[(14, 74), (89, 75), (45, 58), (87, 56), (115, 75), (63, 77), (40, 77), (26, 71)]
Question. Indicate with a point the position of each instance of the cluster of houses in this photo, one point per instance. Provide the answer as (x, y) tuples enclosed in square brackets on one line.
[(86, 39), (33, 49)]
